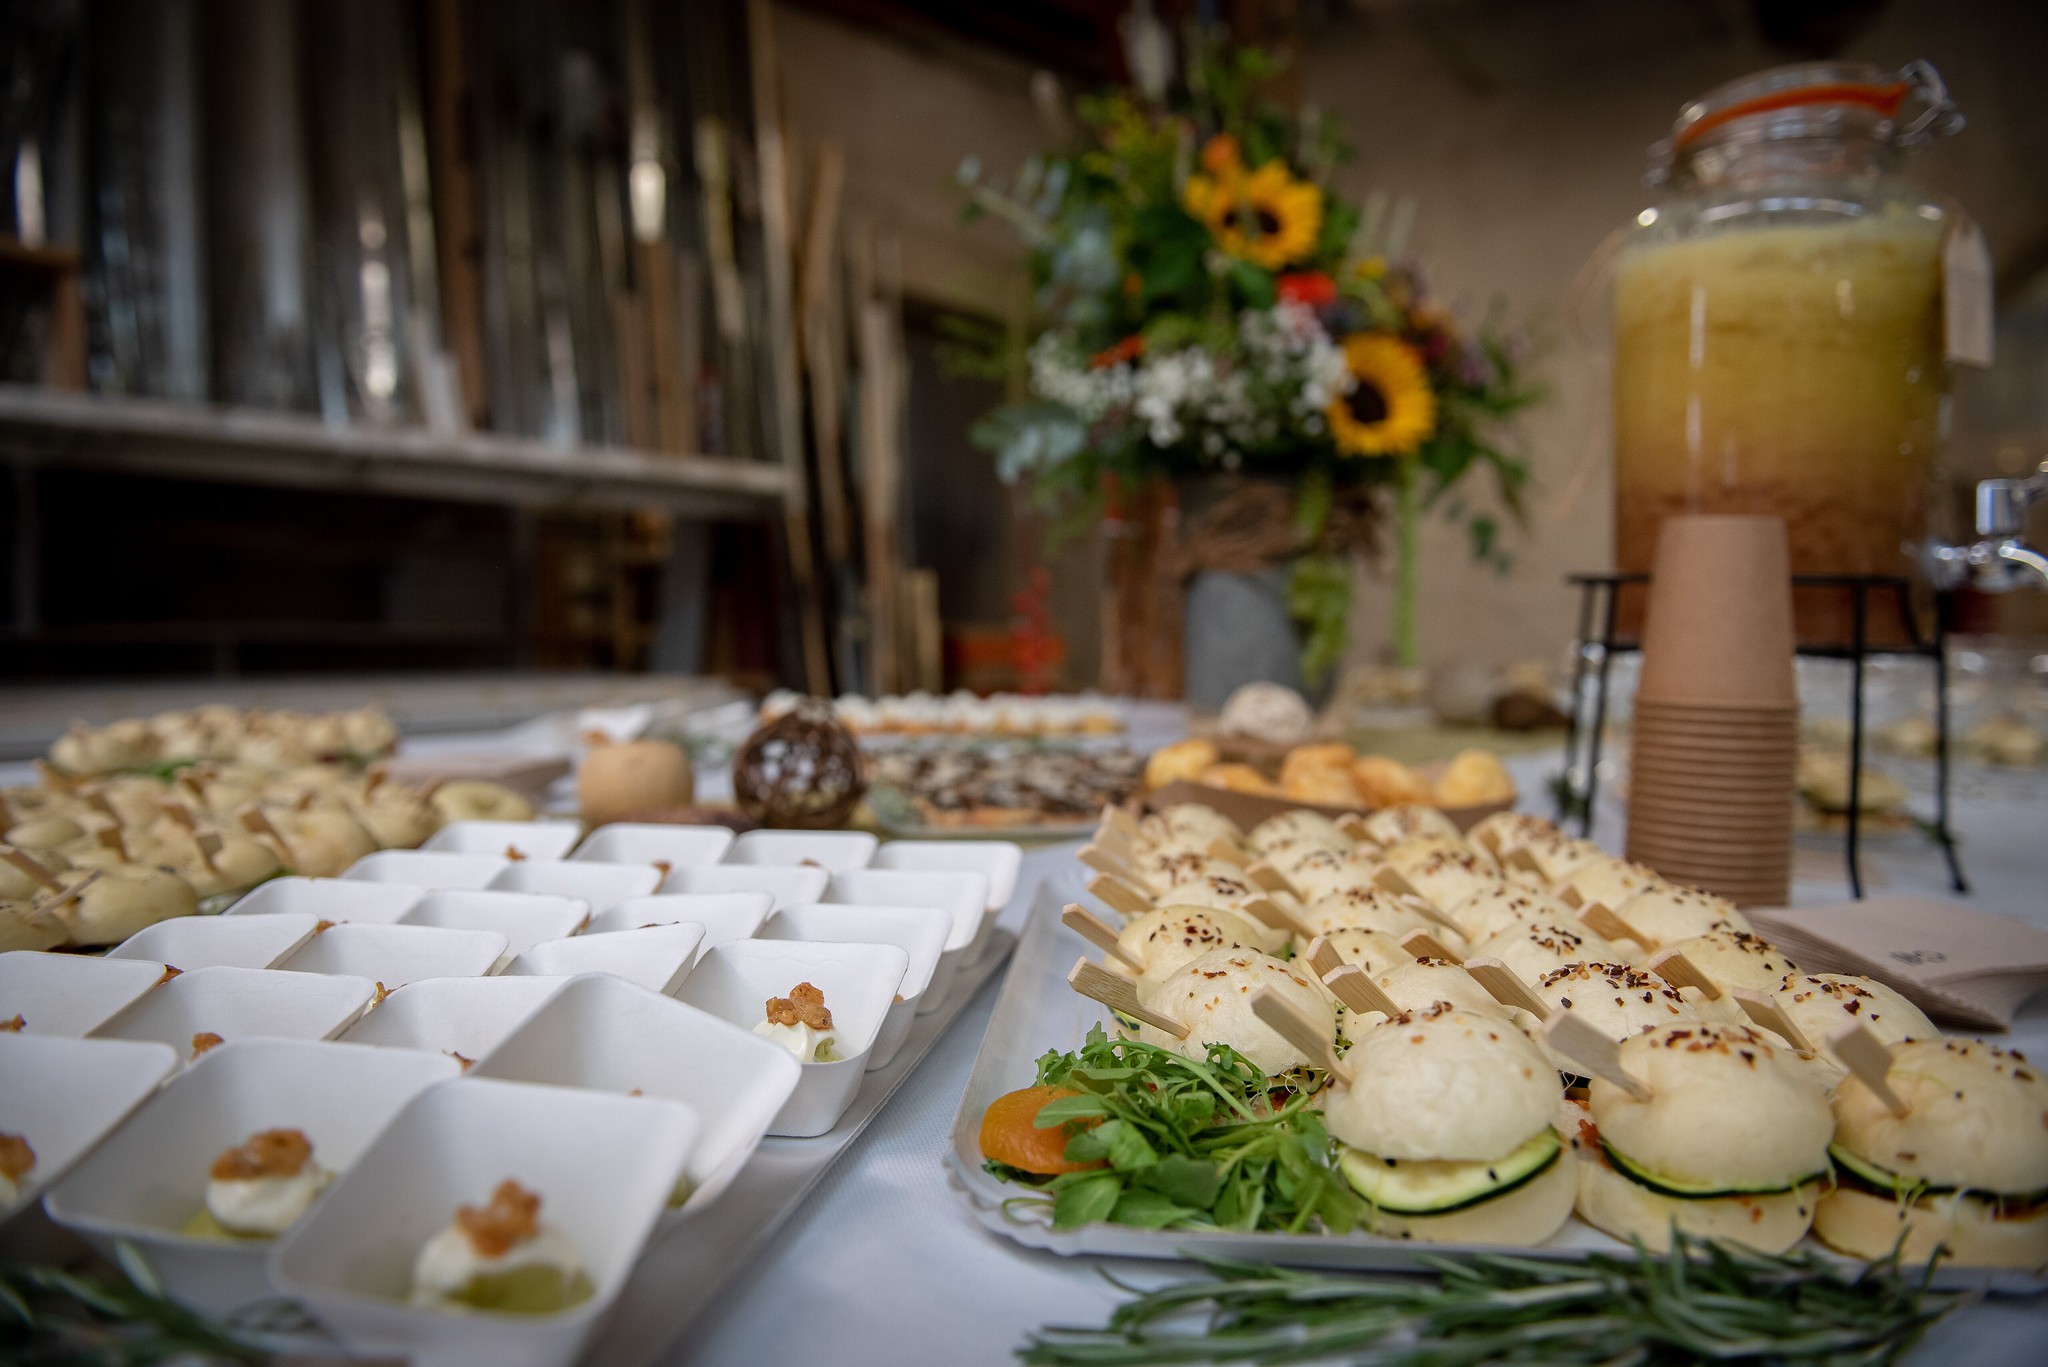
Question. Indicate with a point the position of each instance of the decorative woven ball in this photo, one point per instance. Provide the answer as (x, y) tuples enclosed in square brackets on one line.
[(801, 771)]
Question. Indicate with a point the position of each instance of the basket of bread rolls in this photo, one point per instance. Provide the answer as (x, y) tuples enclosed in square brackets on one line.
[(1330, 777)]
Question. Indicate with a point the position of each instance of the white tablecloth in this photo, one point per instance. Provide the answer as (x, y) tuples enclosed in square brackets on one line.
[(883, 1268)]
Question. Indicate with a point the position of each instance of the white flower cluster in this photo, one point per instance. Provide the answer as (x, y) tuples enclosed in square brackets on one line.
[(1281, 375)]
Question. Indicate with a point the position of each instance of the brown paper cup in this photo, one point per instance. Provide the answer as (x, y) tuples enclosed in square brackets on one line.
[(1720, 614)]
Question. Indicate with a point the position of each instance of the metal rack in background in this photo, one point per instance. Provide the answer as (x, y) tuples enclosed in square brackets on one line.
[(1599, 602)]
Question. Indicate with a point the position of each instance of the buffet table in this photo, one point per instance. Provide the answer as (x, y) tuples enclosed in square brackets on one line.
[(883, 1265)]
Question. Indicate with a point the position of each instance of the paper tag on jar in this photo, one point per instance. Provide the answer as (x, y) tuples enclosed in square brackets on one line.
[(1966, 293)]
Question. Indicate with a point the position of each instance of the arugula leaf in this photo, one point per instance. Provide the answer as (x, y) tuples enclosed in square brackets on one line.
[(1086, 1200), (1149, 1210)]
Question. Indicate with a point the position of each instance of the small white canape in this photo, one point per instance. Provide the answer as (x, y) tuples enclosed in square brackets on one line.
[(963, 894), (189, 942), (647, 843), (598, 885), (919, 932), (736, 981), (241, 1003), (602, 1165), (832, 851), (65, 1095), (149, 1180), (601, 1033), (787, 886), (428, 868), (464, 1018), (392, 956), (523, 918), (506, 839), (70, 994), (330, 899), (725, 916), (655, 957)]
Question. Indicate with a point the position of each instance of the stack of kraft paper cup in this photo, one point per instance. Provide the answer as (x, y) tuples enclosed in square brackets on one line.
[(1715, 758)]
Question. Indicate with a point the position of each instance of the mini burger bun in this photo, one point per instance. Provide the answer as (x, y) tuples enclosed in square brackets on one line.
[(1628, 1209), (1527, 1215), (1668, 914), (1733, 958), (1976, 1117), (1212, 996), (1443, 1084), (1865, 1225), (1725, 1110)]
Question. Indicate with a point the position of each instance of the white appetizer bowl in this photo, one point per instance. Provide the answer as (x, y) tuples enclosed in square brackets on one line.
[(187, 942), (150, 1177), (919, 932), (330, 899), (64, 1095), (832, 851), (464, 1018), (725, 916), (392, 956), (598, 885), (523, 918), (602, 1165), (787, 886), (70, 994), (506, 839), (608, 1035), (964, 895), (734, 982), (997, 860), (428, 868), (242, 1003), (678, 847), (657, 958)]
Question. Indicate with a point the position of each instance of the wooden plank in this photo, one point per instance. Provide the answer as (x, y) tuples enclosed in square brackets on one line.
[(457, 236)]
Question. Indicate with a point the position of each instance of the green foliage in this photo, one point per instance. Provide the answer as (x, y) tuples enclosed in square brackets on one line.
[(1319, 598), (50, 1317)]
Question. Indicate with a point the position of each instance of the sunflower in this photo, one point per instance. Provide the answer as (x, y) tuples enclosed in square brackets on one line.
[(1268, 217), (1391, 409)]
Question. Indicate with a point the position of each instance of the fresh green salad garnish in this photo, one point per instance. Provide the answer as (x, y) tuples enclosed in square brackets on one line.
[(1214, 1144)]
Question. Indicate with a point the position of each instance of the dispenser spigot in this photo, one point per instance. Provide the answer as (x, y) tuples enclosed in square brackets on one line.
[(1999, 560)]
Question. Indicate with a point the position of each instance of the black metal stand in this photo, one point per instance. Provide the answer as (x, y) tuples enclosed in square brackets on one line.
[(1600, 597)]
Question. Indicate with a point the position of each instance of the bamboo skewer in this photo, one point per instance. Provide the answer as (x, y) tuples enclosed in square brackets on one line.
[(1270, 878), (1097, 932), (1098, 984), (1424, 945), (1278, 917), (1118, 819), (1674, 968), (112, 839), (1591, 1050), (1603, 922), (1119, 896), (1323, 958), (1227, 851), (1283, 1020), (257, 822), (1766, 1012), (1506, 987), (1353, 986), (33, 867), (1100, 860), (1870, 1059)]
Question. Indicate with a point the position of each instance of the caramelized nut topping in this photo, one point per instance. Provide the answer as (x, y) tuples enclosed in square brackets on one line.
[(15, 1026), (512, 1217), (805, 1004), (204, 1041), (271, 1153), (16, 1157)]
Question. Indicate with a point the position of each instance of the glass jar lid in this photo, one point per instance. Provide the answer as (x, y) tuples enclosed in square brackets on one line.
[(1810, 100)]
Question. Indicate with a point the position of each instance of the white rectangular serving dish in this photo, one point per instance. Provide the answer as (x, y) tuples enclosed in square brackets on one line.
[(506, 839), (150, 1177), (188, 942), (787, 886), (962, 894), (595, 884), (523, 918), (1037, 1011), (919, 932), (832, 851), (70, 994), (64, 1095), (242, 1003), (996, 860), (392, 956), (725, 916), (735, 981), (331, 899), (678, 847), (657, 958), (609, 1035), (428, 868), (464, 1018), (602, 1165)]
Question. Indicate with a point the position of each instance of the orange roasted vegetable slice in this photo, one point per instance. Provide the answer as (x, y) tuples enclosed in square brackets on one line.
[(1009, 1136)]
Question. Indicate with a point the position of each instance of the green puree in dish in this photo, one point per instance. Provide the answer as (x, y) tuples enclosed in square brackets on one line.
[(202, 1225), (531, 1290)]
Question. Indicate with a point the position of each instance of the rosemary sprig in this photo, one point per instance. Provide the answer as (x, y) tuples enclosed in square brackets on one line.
[(1705, 1303)]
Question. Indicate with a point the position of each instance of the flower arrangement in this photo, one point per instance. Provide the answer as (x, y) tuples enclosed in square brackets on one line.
[(1204, 302)]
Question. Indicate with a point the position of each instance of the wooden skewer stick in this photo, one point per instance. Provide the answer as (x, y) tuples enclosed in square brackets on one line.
[(1102, 861), (1119, 895), (1591, 1050), (1353, 825), (1674, 968), (6, 812), (1228, 851), (1355, 987), (1097, 932), (181, 814), (33, 867), (209, 843), (1506, 986), (112, 838), (1606, 924), (1278, 917), (1424, 945), (1427, 909), (257, 822), (1270, 878), (1119, 819), (1283, 1020), (97, 799), (1118, 844), (1870, 1059), (1766, 1012), (55, 778), (1323, 957), (63, 896), (1097, 983)]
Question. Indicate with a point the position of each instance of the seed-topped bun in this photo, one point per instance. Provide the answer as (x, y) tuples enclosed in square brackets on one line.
[(1769, 1222), (1367, 909), (1298, 824), (1505, 832), (1418, 849), (1190, 819), (1391, 825), (1421, 984), (1444, 1084), (1668, 914), (1726, 1111), (1167, 937), (1547, 860), (1494, 909), (1605, 882), (1212, 996), (1534, 948), (1736, 958), (1615, 999), (1371, 951), (1445, 878), (1823, 1005), (1320, 873)]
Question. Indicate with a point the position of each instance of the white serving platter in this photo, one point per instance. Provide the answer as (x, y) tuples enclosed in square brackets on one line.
[(678, 847), (1037, 1011), (331, 899), (427, 868), (70, 994), (996, 860), (461, 1017), (787, 886), (392, 956), (242, 1003), (725, 916), (188, 942), (598, 885), (506, 839), (523, 918), (655, 957), (833, 851)]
